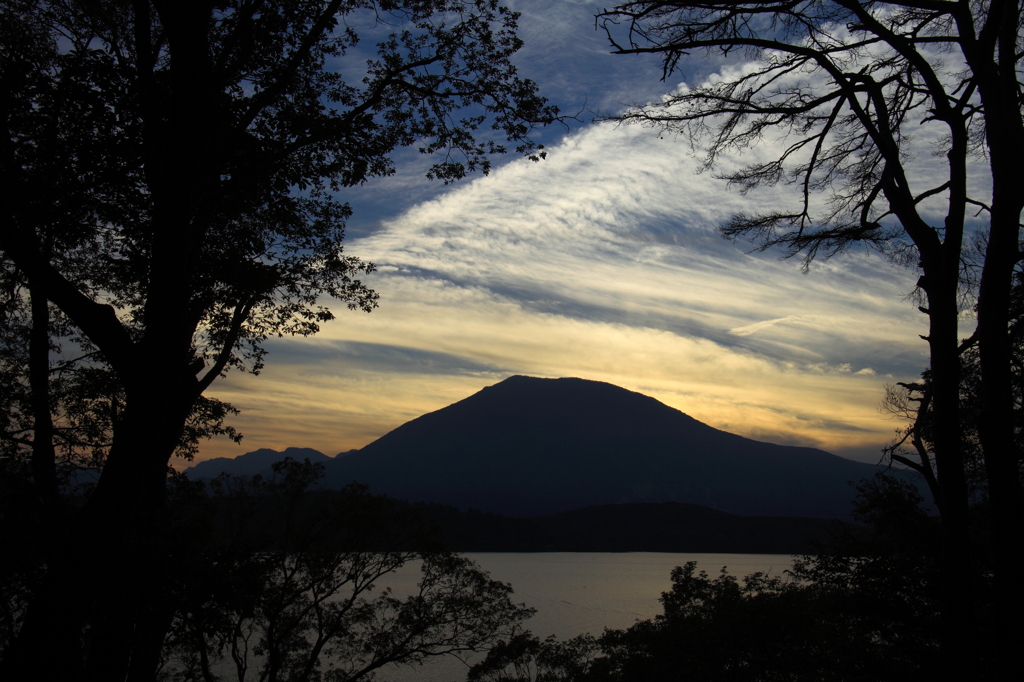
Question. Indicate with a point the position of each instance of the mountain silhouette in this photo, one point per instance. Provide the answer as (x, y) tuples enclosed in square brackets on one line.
[(252, 463), (530, 447)]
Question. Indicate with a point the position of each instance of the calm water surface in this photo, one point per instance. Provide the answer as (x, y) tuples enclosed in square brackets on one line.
[(576, 592)]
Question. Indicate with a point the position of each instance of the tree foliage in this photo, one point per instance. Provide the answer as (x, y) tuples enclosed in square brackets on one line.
[(277, 580), (175, 179), (854, 96), (526, 658), (274, 579), (863, 607)]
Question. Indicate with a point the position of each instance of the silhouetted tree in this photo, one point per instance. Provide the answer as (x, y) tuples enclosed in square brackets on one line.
[(844, 86), (863, 608), (912, 402), (45, 472), (525, 658), (274, 579), (173, 175)]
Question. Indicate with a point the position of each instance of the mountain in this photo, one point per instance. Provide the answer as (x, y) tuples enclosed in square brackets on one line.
[(251, 463), (531, 447)]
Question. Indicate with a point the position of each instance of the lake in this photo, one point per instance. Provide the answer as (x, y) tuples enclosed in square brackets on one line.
[(581, 592)]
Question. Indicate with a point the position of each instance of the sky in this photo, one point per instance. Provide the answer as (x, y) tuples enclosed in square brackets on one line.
[(602, 262)]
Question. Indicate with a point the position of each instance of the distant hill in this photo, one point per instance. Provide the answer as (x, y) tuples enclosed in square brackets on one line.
[(530, 447), (251, 463), (666, 527)]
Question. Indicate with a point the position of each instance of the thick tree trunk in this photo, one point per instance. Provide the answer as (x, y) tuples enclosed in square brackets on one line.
[(109, 569), (959, 628), (135, 618), (130, 501), (996, 432), (999, 88)]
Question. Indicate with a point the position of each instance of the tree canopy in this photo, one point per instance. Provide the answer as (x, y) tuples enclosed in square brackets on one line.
[(174, 179), (279, 580), (861, 608), (898, 125)]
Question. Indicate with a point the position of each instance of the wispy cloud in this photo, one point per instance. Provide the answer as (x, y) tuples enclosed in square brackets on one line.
[(749, 329)]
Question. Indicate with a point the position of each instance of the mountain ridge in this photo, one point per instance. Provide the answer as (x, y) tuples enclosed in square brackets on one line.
[(529, 446), (252, 463)]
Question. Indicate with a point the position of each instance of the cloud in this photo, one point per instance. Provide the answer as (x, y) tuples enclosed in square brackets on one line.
[(758, 326), (571, 58), (633, 242), (375, 357)]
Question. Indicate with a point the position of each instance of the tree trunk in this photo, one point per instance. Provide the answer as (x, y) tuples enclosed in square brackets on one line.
[(109, 568), (959, 629), (999, 90), (44, 465), (996, 431)]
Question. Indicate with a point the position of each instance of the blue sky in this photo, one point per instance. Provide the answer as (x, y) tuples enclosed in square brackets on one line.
[(601, 262)]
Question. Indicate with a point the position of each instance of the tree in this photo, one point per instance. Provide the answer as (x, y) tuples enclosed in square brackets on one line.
[(525, 658), (172, 178), (862, 608), (276, 579), (911, 401), (846, 87)]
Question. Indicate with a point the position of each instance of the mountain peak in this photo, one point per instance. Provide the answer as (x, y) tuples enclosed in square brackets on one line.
[(528, 446), (531, 446)]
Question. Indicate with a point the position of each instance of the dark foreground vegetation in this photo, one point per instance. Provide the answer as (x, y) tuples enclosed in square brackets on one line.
[(175, 177), (864, 608), (665, 527), (274, 579), (268, 580)]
